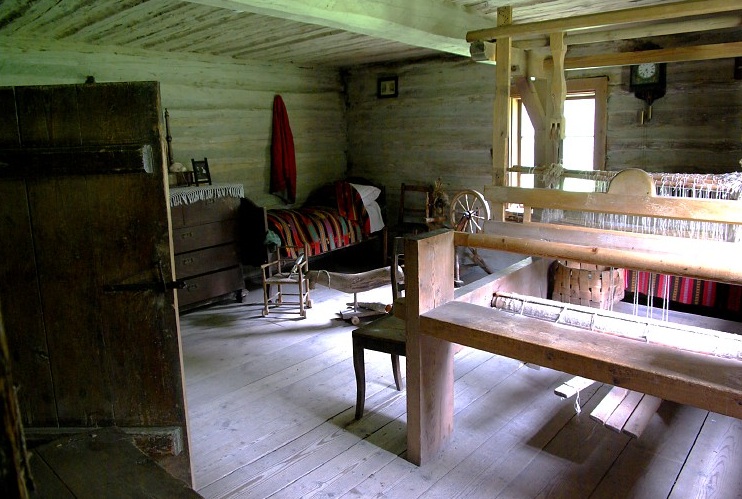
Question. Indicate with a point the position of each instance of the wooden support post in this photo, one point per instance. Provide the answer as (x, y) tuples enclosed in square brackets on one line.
[(558, 95), (429, 264), (501, 123)]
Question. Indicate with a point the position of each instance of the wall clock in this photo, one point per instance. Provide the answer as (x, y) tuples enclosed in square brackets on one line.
[(648, 81)]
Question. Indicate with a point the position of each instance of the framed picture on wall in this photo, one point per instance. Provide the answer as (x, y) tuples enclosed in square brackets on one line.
[(387, 86), (201, 173)]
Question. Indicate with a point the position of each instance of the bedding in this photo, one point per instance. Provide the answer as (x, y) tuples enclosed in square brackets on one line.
[(338, 215)]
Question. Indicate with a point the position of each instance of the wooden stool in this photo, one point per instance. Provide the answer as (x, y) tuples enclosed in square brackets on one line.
[(382, 335)]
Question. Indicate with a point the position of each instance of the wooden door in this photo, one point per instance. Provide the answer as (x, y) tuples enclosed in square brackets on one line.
[(86, 259)]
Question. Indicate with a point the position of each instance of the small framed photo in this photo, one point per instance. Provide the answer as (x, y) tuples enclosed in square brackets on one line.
[(201, 173), (386, 86)]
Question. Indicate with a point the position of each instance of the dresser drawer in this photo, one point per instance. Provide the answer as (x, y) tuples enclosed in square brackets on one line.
[(206, 260), (204, 236), (210, 210), (211, 286)]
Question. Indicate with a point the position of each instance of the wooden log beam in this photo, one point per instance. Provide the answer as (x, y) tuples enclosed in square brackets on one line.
[(677, 54), (688, 378), (413, 22), (719, 262), (629, 32), (651, 13), (706, 210)]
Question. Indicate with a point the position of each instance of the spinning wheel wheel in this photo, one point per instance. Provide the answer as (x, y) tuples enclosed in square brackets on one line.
[(469, 211)]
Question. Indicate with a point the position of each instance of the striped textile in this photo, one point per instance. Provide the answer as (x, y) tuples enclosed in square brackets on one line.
[(323, 228), (686, 290)]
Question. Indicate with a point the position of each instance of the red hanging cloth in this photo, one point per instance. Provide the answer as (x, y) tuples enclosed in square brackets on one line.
[(283, 156)]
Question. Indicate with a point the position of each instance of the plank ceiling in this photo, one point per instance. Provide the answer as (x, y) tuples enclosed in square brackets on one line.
[(311, 33)]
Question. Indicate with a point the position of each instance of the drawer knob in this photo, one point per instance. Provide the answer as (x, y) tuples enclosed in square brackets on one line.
[(186, 235), (187, 261)]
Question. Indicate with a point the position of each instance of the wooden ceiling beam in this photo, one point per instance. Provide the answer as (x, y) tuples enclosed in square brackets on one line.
[(438, 25), (607, 20), (630, 32), (677, 54)]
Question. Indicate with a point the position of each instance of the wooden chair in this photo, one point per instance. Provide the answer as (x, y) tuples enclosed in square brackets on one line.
[(201, 173), (274, 274), (415, 204), (385, 335)]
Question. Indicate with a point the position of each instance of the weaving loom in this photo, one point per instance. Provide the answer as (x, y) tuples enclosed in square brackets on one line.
[(707, 379), (707, 296)]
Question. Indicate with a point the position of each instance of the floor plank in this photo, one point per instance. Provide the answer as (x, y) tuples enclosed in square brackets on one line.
[(271, 405), (714, 466)]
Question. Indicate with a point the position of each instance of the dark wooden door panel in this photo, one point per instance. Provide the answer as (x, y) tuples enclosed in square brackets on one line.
[(93, 356), (65, 256), (139, 328), (9, 136), (21, 302), (48, 116), (119, 113)]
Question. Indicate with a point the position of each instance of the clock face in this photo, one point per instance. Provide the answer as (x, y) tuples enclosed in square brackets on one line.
[(646, 71)]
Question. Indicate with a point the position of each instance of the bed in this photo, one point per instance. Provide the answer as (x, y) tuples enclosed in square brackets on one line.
[(338, 215)]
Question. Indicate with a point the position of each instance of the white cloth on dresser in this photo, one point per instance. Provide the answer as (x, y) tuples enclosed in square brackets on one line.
[(193, 194), (369, 193)]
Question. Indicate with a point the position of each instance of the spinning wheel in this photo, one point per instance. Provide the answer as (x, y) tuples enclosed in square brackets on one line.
[(469, 211)]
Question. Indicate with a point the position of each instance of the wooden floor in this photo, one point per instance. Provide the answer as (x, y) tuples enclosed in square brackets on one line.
[(271, 404)]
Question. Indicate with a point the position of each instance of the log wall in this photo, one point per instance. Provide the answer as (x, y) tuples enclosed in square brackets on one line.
[(440, 125), (219, 108)]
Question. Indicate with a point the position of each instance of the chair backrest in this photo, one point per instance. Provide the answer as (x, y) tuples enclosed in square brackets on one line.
[(415, 204), (398, 281), (201, 173)]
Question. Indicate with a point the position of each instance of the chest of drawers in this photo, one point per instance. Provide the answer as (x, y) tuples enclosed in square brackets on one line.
[(206, 251)]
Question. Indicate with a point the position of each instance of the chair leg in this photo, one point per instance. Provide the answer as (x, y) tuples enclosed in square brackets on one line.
[(266, 288), (302, 304), (360, 369), (396, 371)]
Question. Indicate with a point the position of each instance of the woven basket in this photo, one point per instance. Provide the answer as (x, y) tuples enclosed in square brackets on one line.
[(587, 284)]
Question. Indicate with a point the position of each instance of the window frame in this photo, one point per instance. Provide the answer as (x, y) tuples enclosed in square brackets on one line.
[(598, 87)]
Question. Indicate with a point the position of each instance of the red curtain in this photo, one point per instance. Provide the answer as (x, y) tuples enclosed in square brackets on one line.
[(283, 156)]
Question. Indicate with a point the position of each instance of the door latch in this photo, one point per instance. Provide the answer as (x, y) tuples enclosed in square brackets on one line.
[(161, 285)]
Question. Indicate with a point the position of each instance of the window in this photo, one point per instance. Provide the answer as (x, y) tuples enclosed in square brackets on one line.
[(583, 147)]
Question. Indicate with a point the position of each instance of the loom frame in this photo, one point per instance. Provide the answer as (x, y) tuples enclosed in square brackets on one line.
[(436, 318)]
